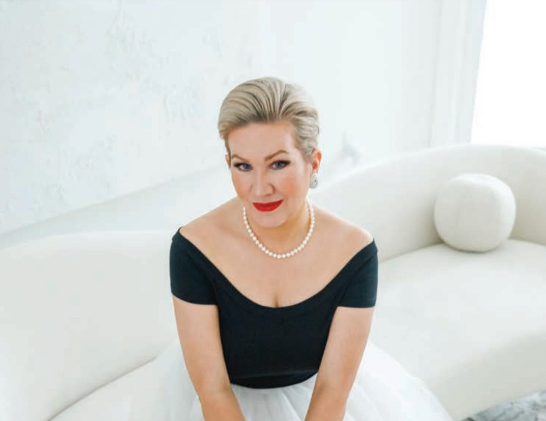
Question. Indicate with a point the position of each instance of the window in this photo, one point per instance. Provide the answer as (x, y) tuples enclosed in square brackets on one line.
[(510, 106)]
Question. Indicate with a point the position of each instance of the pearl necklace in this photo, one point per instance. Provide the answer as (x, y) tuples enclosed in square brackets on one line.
[(283, 255)]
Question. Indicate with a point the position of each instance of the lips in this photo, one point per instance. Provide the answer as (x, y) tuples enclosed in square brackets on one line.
[(267, 207)]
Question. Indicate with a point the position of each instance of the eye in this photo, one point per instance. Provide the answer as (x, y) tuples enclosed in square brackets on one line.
[(238, 165), (285, 163)]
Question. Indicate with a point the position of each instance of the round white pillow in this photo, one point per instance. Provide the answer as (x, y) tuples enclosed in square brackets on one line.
[(475, 212)]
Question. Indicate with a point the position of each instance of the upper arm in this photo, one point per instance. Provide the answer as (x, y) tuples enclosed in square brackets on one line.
[(197, 323), (342, 356), (361, 289), (199, 334), (350, 327)]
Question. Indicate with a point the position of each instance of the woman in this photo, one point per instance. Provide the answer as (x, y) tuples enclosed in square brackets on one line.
[(273, 295)]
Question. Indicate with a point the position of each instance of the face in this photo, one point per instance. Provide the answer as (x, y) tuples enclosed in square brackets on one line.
[(267, 167)]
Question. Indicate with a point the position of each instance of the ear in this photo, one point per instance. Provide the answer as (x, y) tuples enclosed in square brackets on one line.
[(317, 157), (227, 159)]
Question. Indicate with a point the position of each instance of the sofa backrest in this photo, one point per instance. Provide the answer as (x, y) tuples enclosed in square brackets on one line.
[(76, 312), (394, 199)]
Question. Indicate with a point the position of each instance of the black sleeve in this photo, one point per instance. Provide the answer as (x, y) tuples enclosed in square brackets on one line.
[(362, 288), (188, 281)]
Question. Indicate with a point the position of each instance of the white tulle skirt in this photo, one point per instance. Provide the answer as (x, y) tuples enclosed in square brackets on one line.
[(383, 391)]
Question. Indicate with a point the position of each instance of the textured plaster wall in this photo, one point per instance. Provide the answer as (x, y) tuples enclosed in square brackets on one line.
[(99, 99)]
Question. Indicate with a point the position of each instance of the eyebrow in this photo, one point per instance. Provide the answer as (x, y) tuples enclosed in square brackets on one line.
[(268, 157)]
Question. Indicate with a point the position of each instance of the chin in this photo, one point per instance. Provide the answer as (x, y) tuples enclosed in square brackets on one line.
[(267, 219)]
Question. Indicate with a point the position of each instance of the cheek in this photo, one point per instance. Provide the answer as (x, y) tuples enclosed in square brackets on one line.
[(238, 182), (290, 183)]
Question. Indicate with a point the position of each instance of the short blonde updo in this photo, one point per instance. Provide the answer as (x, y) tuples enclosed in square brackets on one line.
[(268, 100)]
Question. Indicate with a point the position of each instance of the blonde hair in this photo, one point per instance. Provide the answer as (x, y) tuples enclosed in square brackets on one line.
[(268, 100)]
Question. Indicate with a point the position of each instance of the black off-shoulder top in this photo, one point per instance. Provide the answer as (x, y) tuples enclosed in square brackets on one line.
[(263, 346)]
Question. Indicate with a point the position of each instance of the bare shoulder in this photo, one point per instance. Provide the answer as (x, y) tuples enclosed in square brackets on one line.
[(361, 235), (352, 234), (210, 225)]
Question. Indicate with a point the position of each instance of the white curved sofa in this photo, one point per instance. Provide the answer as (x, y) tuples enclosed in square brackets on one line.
[(84, 314)]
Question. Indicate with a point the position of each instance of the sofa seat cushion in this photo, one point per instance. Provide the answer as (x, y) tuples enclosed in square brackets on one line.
[(471, 325), (138, 395)]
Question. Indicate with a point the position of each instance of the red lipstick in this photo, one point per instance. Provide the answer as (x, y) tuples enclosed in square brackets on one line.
[(267, 207)]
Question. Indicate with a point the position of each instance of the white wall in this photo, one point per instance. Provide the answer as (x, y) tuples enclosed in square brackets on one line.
[(369, 63), (99, 99)]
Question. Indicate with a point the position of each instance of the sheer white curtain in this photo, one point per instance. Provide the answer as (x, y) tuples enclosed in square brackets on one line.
[(460, 28), (510, 105)]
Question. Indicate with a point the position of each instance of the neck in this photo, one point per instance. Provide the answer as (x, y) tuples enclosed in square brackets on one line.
[(286, 236)]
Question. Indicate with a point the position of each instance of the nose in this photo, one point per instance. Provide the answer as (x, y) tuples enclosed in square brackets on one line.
[(261, 185)]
